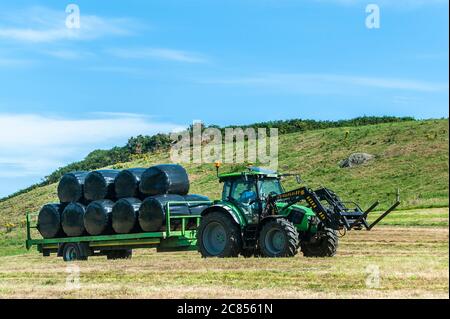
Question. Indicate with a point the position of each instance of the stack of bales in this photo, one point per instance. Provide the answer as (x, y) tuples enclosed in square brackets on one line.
[(106, 202)]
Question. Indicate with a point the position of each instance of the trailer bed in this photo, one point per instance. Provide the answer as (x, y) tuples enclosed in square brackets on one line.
[(170, 239)]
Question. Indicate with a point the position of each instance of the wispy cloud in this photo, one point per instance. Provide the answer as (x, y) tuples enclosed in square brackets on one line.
[(159, 54), (34, 145), (304, 83), (44, 25)]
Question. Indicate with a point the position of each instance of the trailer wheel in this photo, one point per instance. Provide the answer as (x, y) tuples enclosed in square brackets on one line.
[(323, 244), (218, 236), (72, 252), (278, 238), (119, 254)]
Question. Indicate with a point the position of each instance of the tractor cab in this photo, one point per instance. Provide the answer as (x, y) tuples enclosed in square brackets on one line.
[(249, 190)]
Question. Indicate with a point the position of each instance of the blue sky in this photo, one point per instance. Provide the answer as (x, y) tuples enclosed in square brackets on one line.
[(150, 66)]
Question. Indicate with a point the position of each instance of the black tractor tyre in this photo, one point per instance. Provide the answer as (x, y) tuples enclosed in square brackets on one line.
[(119, 254), (324, 246), (278, 238), (218, 236), (72, 252)]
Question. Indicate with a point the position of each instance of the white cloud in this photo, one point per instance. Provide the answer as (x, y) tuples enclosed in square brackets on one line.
[(305, 83), (38, 24), (34, 145), (158, 53)]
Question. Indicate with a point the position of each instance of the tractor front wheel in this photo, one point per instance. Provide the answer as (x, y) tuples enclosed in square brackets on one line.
[(218, 236), (323, 244), (279, 238)]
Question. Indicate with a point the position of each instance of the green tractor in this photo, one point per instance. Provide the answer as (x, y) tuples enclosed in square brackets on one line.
[(257, 217)]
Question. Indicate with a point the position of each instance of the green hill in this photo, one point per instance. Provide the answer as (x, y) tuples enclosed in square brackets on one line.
[(409, 155)]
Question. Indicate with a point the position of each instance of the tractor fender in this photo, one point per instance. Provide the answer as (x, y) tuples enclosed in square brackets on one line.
[(226, 209), (268, 219)]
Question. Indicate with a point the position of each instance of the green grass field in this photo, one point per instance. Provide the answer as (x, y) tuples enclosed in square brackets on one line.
[(411, 262), (410, 248)]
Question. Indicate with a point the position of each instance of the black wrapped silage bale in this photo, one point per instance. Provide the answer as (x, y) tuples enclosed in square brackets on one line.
[(100, 184), (70, 187), (125, 214), (196, 209), (72, 220), (152, 214), (49, 221), (127, 181), (97, 219), (164, 179)]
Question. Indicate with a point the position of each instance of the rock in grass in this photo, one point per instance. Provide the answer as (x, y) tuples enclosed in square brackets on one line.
[(356, 159)]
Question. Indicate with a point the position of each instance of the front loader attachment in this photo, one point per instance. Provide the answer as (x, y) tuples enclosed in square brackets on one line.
[(331, 210), (361, 221), (354, 218)]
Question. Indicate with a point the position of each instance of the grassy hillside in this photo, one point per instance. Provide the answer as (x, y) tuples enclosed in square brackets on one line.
[(412, 156)]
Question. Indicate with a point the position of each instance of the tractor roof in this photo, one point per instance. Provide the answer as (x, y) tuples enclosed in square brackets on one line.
[(252, 171)]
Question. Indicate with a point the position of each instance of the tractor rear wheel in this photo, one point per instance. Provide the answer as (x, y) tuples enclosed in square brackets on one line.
[(278, 238), (218, 236), (323, 244)]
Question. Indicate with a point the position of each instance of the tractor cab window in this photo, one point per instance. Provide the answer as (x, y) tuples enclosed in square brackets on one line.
[(244, 191), (269, 186), (226, 190)]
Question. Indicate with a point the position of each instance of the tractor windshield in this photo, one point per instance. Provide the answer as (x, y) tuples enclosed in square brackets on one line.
[(270, 186)]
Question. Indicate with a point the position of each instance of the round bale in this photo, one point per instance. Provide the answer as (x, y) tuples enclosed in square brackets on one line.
[(100, 184), (152, 214), (70, 187), (127, 181), (125, 215), (49, 221), (97, 219), (164, 179), (72, 220)]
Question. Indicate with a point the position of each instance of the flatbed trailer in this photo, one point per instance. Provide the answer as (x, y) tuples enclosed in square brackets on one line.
[(179, 234)]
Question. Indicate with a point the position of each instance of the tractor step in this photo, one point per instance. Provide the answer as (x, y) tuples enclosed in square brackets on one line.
[(250, 236)]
